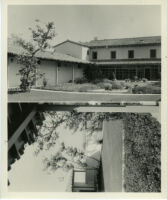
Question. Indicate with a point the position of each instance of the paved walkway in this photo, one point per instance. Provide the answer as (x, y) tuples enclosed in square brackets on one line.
[(52, 96), (112, 155)]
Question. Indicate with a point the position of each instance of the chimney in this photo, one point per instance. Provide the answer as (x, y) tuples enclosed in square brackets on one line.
[(95, 38)]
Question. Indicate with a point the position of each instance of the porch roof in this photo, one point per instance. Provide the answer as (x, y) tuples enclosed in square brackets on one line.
[(135, 62)]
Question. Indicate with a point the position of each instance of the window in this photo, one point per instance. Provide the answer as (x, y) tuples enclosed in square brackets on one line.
[(130, 54), (88, 52), (94, 55), (113, 54), (153, 53)]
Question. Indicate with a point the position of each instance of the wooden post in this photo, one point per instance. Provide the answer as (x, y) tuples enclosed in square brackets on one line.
[(57, 71), (73, 75)]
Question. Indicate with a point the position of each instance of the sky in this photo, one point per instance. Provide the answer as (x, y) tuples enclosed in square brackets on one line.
[(84, 22), (28, 175)]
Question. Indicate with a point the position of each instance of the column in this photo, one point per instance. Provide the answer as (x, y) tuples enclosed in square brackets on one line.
[(73, 74), (57, 77)]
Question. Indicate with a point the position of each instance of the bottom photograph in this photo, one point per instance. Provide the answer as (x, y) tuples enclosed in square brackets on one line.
[(66, 148)]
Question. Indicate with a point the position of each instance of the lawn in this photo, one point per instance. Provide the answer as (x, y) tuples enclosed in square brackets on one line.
[(51, 96)]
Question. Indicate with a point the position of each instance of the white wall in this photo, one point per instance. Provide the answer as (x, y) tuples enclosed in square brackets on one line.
[(49, 68), (78, 72), (85, 55), (65, 73), (70, 49), (13, 69), (122, 52)]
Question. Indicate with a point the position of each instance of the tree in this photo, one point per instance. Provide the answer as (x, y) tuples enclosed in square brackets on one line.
[(28, 59), (68, 157)]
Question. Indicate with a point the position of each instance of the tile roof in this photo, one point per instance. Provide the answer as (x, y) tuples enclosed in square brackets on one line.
[(125, 41), (13, 48)]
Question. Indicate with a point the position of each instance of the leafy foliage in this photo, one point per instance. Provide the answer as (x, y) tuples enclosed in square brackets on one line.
[(148, 89), (67, 157), (28, 60), (142, 146), (92, 72)]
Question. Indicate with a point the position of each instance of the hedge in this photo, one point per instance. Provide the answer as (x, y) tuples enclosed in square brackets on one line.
[(142, 153), (149, 89)]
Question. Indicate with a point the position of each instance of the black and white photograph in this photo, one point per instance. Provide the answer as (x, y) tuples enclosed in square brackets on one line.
[(84, 52), (84, 99), (54, 148)]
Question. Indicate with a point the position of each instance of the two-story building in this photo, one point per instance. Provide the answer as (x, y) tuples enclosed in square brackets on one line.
[(126, 58), (123, 58)]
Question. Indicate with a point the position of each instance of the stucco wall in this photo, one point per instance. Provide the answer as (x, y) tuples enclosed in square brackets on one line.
[(47, 67), (122, 52), (78, 72), (85, 55), (13, 69), (70, 49), (65, 73)]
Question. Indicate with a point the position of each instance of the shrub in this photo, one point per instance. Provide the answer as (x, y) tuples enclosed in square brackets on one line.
[(157, 83), (117, 85), (105, 80), (80, 80), (148, 89), (142, 153), (135, 78), (44, 82), (144, 80), (96, 81), (92, 72), (127, 80), (86, 88), (106, 86)]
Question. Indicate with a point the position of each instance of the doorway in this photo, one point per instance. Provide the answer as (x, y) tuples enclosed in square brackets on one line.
[(147, 73)]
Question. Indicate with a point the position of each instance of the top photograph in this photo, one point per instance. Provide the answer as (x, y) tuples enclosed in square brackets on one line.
[(84, 53)]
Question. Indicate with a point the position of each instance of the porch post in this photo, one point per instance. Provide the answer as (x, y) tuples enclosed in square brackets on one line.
[(115, 71), (73, 74), (136, 71), (57, 71)]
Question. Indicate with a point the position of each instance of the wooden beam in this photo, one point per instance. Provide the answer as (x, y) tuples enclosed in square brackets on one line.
[(20, 129)]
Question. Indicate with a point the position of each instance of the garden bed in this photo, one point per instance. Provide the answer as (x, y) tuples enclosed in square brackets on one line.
[(104, 86)]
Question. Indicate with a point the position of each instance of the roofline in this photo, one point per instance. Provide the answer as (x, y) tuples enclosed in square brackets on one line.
[(126, 45), (59, 60), (128, 38), (77, 43)]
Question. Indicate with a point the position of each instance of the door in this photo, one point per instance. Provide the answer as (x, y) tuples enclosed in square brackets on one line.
[(147, 73)]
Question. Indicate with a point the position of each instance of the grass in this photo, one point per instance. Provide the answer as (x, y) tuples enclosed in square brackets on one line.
[(51, 96)]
